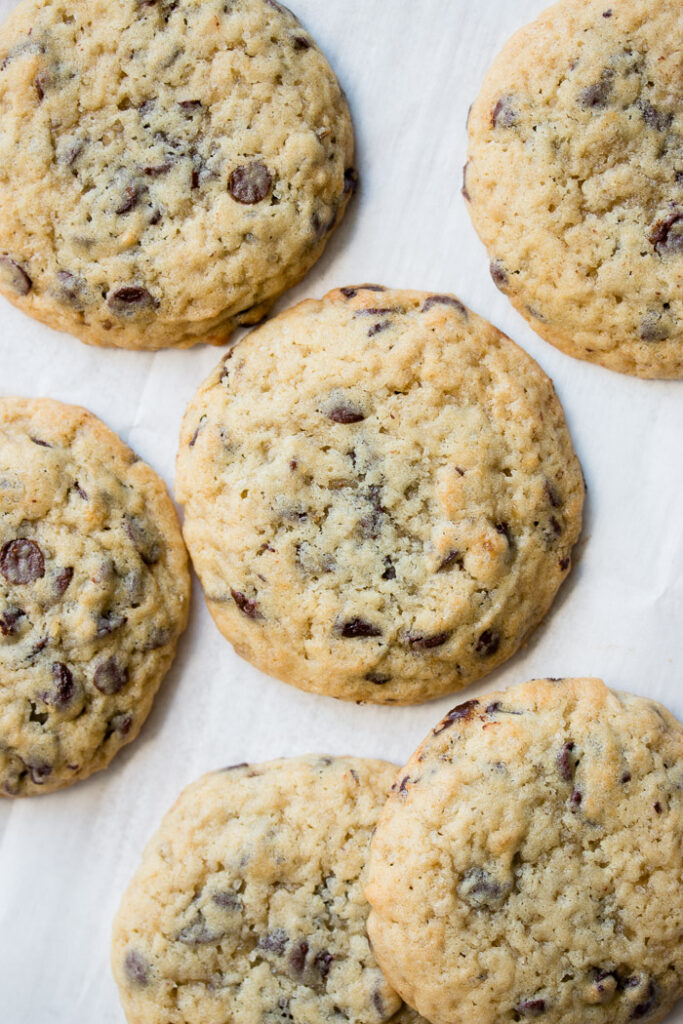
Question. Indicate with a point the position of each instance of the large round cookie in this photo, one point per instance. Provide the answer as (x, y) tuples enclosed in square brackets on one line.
[(575, 180), (167, 167), (94, 592), (381, 495), (248, 906), (529, 862)]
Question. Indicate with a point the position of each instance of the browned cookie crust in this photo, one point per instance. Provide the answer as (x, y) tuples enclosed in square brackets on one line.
[(94, 592), (182, 162)]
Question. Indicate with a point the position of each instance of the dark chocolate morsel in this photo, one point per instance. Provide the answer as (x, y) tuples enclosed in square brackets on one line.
[(245, 605), (451, 559), (41, 444), (597, 95), (576, 798), (378, 328), (297, 956), (389, 570), (136, 968), (345, 413), (144, 541), (109, 677), (667, 235), (14, 276), (359, 629), (420, 642), (478, 888), (531, 1007), (274, 942), (350, 180), (129, 200), (656, 119), (499, 274), (351, 293), (323, 961), (228, 900), (504, 114), (64, 689), (130, 300), (552, 495), (198, 933), (444, 300), (566, 762), (21, 561), (190, 105), (564, 564), (120, 724), (301, 43), (653, 327), (626, 777), (378, 678), (465, 710), (607, 14), (465, 194), (488, 643), (250, 183), (109, 622), (9, 621)]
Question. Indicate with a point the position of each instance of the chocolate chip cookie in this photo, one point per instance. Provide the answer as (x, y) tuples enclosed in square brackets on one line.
[(381, 495), (94, 592), (529, 862), (167, 167), (575, 180), (248, 905)]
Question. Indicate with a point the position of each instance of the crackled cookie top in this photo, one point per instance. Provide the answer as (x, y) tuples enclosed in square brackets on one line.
[(575, 180), (94, 591), (248, 905), (167, 167), (529, 862), (381, 495)]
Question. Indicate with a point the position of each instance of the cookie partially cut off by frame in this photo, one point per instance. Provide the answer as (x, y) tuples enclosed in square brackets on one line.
[(381, 495), (94, 594), (167, 167), (575, 180), (529, 862), (248, 905)]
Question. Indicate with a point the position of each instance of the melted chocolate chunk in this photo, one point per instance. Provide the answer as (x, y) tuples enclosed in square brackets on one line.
[(597, 96), (654, 118), (159, 170), (531, 1007), (110, 677), (297, 956), (499, 274), (322, 225), (478, 888), (245, 605), (120, 724), (130, 199), (444, 300), (346, 413), (359, 629), (109, 622), (274, 942), (38, 770), (378, 328), (322, 962), (389, 571), (576, 798), (301, 43), (198, 933), (9, 621), (488, 643), (14, 276), (350, 293), (131, 300), (22, 561), (654, 328), (504, 114), (228, 900), (451, 559), (190, 106), (465, 710), (564, 564), (667, 235), (136, 968), (463, 191), (144, 542), (648, 1003), (250, 183), (566, 762), (62, 694), (350, 180), (420, 642), (378, 678)]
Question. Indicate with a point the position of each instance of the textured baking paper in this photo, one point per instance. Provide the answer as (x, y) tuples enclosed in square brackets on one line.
[(410, 69)]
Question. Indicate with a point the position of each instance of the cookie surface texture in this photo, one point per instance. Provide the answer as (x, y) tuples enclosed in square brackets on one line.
[(94, 593), (167, 167), (248, 904), (575, 180), (529, 862), (381, 495)]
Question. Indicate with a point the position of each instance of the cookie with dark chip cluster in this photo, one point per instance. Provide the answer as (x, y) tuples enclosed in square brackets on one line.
[(575, 180), (94, 593), (248, 905), (167, 167), (529, 862), (381, 495)]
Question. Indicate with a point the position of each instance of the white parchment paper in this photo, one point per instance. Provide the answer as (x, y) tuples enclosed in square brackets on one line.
[(410, 69)]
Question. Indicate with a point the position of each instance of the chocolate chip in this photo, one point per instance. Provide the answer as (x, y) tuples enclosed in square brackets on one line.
[(597, 96), (41, 444), (79, 491), (667, 235), (478, 888), (504, 115), (607, 14), (158, 170), (274, 942), (40, 717), (576, 798), (378, 678), (190, 105), (120, 724), (14, 276), (566, 762), (131, 300), (451, 559), (488, 643), (351, 293), (228, 900), (9, 621), (359, 629), (645, 1008), (499, 274), (22, 561), (552, 495), (39, 770), (109, 622), (301, 43), (564, 564), (654, 328), (64, 689), (350, 181), (109, 677), (250, 183), (626, 777), (346, 413), (654, 118), (297, 956), (136, 967), (465, 194), (444, 300), (378, 328), (323, 961), (531, 1007), (465, 711), (658, 807), (245, 605), (145, 541), (130, 199), (420, 642), (198, 933), (389, 571)]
